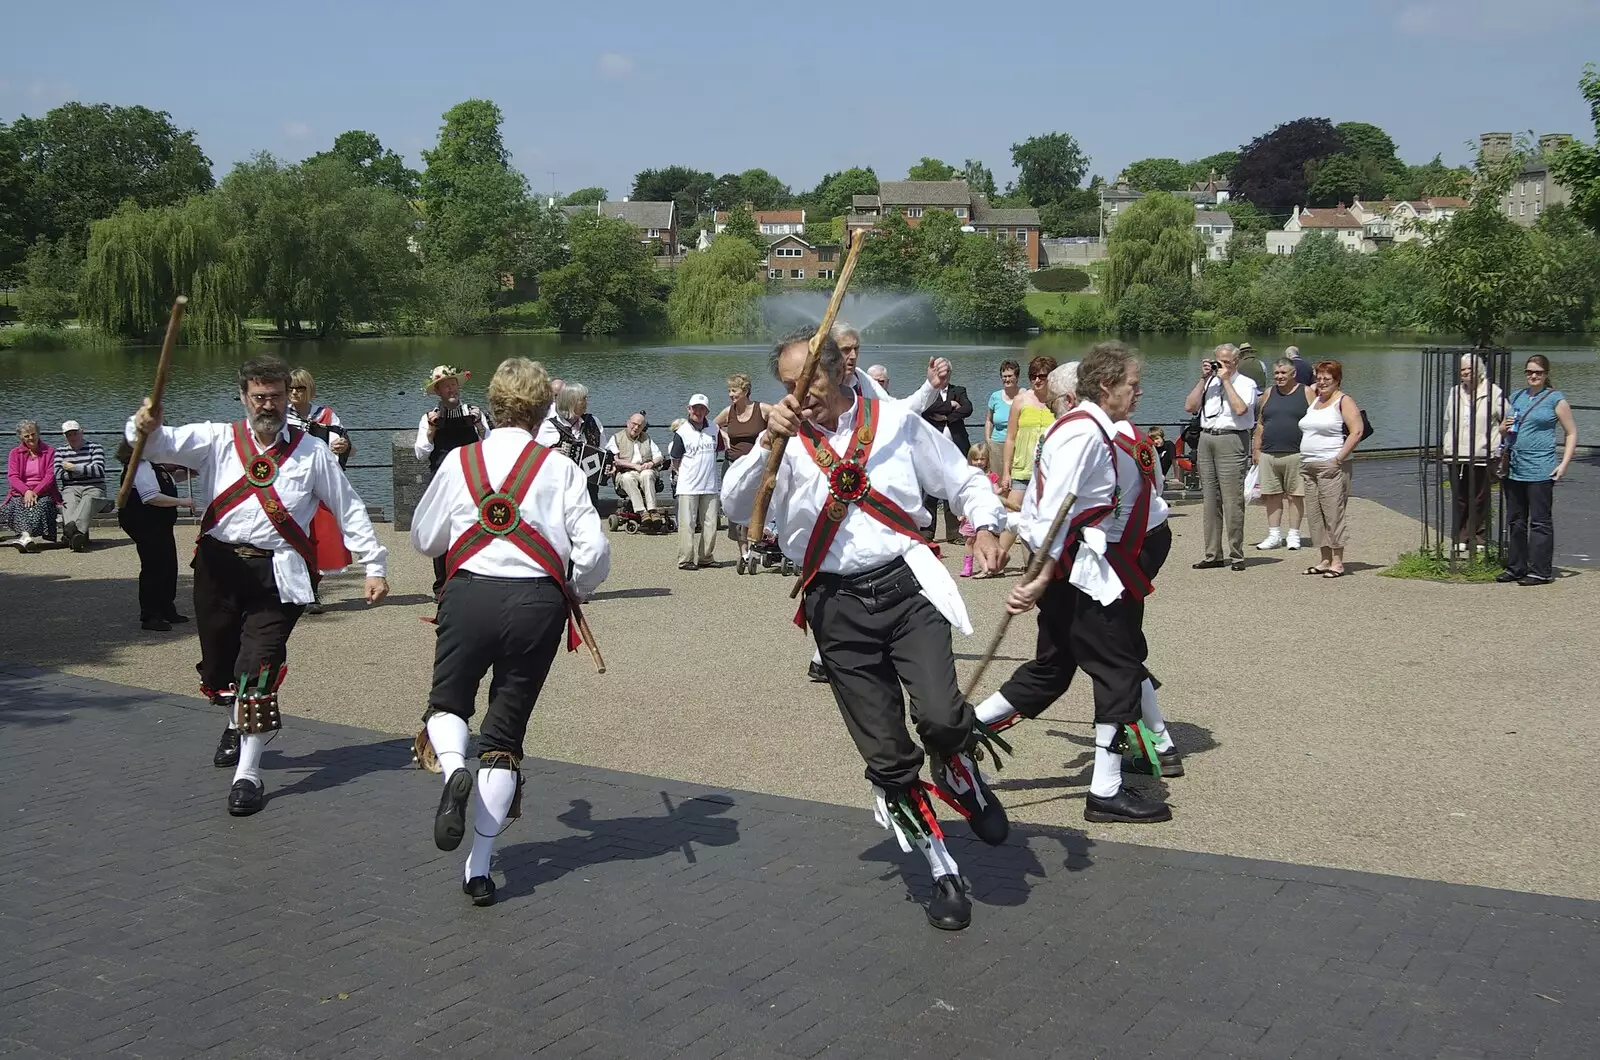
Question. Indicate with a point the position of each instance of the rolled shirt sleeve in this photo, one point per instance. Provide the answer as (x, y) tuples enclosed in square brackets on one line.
[(591, 550), (144, 481), (423, 446)]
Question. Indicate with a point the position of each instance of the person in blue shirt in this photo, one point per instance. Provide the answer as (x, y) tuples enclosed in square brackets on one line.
[(1529, 432), (998, 416)]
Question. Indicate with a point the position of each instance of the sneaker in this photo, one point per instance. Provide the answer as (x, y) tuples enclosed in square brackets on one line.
[(1507, 576), (21, 543), (78, 542), (1270, 541), (1294, 542)]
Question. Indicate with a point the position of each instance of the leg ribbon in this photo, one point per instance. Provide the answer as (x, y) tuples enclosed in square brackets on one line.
[(1137, 741), (908, 815), (987, 742), (256, 706)]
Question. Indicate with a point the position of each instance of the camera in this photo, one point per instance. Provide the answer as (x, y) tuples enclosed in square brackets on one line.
[(1215, 366)]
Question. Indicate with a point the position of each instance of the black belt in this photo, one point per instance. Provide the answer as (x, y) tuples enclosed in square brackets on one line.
[(866, 581), (877, 589), (245, 551), (473, 576), (1225, 430)]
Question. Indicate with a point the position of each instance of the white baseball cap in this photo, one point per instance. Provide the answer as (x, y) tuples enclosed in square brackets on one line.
[(699, 399), (71, 425)]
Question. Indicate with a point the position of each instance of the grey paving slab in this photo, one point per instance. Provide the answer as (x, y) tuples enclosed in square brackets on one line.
[(646, 918)]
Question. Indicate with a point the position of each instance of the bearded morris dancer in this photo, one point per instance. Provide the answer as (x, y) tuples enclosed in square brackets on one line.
[(508, 516), (445, 428), (848, 507), (1092, 587), (255, 565)]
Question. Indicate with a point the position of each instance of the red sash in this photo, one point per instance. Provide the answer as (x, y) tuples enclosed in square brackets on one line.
[(260, 474), (500, 517), (847, 485)]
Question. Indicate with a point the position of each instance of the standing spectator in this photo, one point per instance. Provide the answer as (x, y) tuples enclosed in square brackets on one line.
[(1225, 401), (444, 429), (948, 414), (1030, 416), (1303, 372), (148, 519), (322, 422), (1530, 434), (997, 417), (572, 431), (80, 471), (880, 375), (1471, 432), (849, 342), (636, 458), (695, 445), (32, 496), (742, 423), (1329, 430), (1277, 455)]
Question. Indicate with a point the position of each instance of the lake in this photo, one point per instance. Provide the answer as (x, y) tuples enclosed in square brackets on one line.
[(377, 383)]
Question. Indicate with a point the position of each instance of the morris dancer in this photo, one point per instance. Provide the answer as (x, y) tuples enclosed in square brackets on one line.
[(449, 426), (320, 421), (254, 566), (508, 516), (1092, 617), (848, 506)]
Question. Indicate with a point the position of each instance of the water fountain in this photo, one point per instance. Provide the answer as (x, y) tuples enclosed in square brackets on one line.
[(863, 310)]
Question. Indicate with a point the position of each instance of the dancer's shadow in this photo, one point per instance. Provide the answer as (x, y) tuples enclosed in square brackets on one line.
[(1193, 740), (595, 842), (332, 766), (1002, 875)]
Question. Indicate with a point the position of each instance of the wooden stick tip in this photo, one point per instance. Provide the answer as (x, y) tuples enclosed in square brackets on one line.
[(182, 299)]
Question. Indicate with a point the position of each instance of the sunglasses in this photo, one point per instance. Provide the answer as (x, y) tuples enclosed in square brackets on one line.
[(1533, 371), (1040, 375)]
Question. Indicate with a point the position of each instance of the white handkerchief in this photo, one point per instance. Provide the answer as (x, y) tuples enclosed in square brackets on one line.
[(1091, 571)]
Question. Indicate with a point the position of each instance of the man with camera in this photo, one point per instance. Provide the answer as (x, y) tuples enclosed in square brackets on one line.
[(1226, 402)]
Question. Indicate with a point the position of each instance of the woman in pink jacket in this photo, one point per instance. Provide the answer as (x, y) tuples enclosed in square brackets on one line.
[(32, 496)]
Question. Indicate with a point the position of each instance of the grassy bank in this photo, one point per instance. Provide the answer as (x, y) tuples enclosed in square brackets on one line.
[(1075, 311), (26, 336)]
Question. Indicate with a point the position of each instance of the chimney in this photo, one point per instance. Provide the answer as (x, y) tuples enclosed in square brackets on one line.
[(1550, 143), (1493, 146)]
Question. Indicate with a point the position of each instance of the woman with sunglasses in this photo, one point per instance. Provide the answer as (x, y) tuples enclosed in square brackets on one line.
[(1529, 433), (1030, 417)]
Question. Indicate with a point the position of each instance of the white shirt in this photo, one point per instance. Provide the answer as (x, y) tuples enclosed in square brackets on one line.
[(1215, 412), (697, 463), (308, 476), (557, 503), (918, 402), (145, 483), (550, 437), (423, 446), (908, 460)]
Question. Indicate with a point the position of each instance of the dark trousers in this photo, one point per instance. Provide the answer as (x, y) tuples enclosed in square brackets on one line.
[(874, 640), (158, 567), (438, 576), (1530, 531), (242, 624), (513, 626), (1469, 503), (952, 522)]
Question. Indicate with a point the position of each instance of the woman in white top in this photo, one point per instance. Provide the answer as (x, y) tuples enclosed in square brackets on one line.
[(1329, 430)]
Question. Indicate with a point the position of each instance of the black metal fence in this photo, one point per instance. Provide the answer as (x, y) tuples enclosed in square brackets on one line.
[(1458, 434)]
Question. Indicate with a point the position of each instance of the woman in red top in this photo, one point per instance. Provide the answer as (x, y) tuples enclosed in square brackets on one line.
[(31, 496)]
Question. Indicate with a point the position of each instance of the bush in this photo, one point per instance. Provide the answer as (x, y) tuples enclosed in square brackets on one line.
[(44, 307), (1061, 279)]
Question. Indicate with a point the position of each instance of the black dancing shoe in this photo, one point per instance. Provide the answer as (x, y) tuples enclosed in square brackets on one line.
[(155, 625), (1506, 576), (982, 810), (480, 889), (1171, 765), (450, 823), (816, 673), (175, 618), (245, 798), (227, 755), (1127, 806), (950, 909), (1208, 564)]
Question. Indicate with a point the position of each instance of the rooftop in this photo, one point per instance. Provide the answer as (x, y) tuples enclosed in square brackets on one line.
[(1213, 217), (925, 193), (1332, 217), (639, 214), (770, 217), (984, 214)]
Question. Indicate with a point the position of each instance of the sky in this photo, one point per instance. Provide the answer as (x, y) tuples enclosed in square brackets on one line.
[(594, 92)]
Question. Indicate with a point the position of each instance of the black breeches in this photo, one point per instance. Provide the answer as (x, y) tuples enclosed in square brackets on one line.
[(242, 624), (1075, 632)]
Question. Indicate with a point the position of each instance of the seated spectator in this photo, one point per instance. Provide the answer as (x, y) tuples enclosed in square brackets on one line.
[(32, 497), (1165, 451), (81, 477), (148, 518), (636, 457)]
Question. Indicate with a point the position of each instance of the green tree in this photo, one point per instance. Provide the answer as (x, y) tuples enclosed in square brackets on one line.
[(889, 258), (609, 286), (1220, 165), (474, 201), (1335, 179), (822, 230), (378, 166), (14, 218), (1076, 215), (1051, 166), (541, 244), (983, 286), (52, 272), (932, 169), (1157, 174), (1154, 240), (1368, 142), (831, 197), (936, 239), (584, 197), (741, 225), (1577, 165), (717, 293), (978, 177), (689, 188)]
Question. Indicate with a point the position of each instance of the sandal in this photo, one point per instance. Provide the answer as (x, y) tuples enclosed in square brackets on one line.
[(1331, 573), (1316, 570)]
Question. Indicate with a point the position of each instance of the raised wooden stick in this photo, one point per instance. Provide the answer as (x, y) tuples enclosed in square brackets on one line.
[(163, 367), (1034, 567), (802, 386)]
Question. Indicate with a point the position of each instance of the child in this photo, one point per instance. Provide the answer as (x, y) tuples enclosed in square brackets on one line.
[(978, 457)]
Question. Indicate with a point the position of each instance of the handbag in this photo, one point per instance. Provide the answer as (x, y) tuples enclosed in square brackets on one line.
[(1502, 457), (1191, 435), (1366, 426), (1252, 485)]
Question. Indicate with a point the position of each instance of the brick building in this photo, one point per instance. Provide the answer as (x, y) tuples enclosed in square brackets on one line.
[(791, 259), (913, 198)]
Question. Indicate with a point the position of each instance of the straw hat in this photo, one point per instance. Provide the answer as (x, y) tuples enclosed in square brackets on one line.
[(443, 371)]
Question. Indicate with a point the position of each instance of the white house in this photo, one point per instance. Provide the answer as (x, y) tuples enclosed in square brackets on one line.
[(1338, 222), (1216, 229)]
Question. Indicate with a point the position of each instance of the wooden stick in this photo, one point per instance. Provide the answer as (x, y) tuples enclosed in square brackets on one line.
[(1039, 557), (588, 636), (163, 367), (802, 387)]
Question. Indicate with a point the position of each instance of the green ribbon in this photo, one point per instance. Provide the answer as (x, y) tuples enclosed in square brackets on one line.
[(1142, 744), (992, 742)]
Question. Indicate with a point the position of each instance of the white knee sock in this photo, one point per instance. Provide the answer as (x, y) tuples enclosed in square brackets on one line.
[(995, 708), (1107, 763), (816, 656), (491, 801), (251, 744), (448, 734), (1152, 716), (940, 863)]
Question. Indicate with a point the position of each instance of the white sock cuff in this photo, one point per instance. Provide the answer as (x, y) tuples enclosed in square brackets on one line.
[(994, 708), (251, 746), (1105, 734)]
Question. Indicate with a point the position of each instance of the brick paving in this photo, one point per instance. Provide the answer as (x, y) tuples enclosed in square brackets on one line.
[(646, 918)]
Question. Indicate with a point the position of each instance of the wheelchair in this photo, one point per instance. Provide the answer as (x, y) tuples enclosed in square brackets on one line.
[(632, 522)]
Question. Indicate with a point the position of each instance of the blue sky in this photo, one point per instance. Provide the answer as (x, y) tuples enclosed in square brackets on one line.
[(597, 91)]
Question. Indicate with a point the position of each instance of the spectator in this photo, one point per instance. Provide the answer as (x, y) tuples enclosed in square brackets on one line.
[(1226, 403), (322, 422), (80, 471), (148, 519), (1165, 452), (1303, 372), (948, 414), (443, 430), (742, 423), (1471, 434), (1030, 416), (1277, 455), (849, 342), (32, 497), (978, 457), (636, 458), (880, 375), (572, 431), (1530, 435), (1329, 430), (695, 446), (997, 417)]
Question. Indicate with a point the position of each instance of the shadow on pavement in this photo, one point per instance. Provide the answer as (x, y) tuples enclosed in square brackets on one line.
[(67, 621), (997, 876), (359, 604), (631, 594), (333, 766)]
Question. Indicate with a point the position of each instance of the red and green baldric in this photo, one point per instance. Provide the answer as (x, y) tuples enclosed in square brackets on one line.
[(260, 475), (500, 518), (847, 485)]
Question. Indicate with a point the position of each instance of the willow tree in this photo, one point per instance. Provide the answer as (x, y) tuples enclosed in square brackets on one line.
[(716, 291), (1154, 242)]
